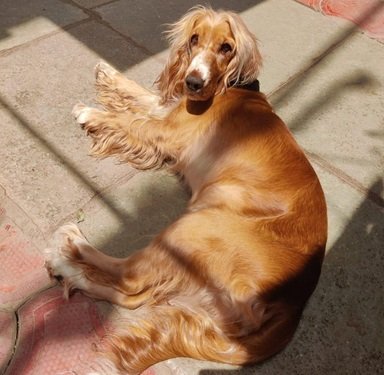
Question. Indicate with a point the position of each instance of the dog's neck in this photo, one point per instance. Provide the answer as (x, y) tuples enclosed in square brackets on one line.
[(196, 107), (252, 86)]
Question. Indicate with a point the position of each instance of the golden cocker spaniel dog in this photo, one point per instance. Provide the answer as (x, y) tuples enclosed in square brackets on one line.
[(229, 279)]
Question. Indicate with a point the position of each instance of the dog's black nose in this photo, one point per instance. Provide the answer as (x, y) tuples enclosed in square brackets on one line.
[(194, 83)]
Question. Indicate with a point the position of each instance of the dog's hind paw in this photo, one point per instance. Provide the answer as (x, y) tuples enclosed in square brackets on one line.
[(62, 256)]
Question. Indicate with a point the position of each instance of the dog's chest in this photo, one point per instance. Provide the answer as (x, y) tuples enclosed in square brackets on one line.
[(197, 163)]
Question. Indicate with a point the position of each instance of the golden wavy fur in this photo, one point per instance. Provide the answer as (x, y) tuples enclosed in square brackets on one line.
[(229, 279)]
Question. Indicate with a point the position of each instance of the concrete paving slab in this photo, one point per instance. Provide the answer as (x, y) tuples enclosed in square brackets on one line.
[(291, 37), (22, 21), (341, 119), (147, 203), (22, 265), (276, 24), (21, 220), (144, 20), (57, 336), (8, 329), (43, 143)]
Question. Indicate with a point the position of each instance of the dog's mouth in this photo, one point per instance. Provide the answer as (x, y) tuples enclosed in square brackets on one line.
[(198, 96), (197, 89)]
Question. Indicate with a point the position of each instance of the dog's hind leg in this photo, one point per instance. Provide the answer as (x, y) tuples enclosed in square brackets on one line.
[(128, 282)]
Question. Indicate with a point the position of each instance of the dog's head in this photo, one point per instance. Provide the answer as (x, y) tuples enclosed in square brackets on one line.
[(210, 51)]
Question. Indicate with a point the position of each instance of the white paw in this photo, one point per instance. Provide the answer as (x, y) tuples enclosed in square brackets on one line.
[(60, 258), (82, 113)]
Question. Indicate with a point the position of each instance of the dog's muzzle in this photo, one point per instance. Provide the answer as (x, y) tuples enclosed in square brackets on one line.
[(194, 83)]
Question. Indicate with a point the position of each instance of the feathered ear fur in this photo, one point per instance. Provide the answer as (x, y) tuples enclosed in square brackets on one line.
[(245, 66), (171, 80)]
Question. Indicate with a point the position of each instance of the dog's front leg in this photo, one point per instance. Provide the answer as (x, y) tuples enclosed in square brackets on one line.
[(142, 141), (117, 93)]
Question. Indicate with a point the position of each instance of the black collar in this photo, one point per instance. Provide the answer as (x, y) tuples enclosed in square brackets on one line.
[(252, 86)]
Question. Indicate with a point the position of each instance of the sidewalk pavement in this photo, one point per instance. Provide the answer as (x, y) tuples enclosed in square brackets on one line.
[(325, 79)]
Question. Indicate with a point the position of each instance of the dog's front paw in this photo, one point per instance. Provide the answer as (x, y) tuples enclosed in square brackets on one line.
[(90, 119), (82, 113), (62, 256)]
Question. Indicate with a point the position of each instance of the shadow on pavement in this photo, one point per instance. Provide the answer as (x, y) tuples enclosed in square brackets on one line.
[(59, 156), (139, 22), (361, 80), (147, 206), (281, 93)]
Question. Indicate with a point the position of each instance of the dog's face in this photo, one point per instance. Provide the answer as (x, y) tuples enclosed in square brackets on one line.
[(210, 51), (212, 47)]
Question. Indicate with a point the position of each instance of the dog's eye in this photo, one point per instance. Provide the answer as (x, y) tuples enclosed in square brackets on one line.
[(225, 48), (194, 39)]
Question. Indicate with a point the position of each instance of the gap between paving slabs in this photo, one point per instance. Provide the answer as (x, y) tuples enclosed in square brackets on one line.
[(21, 258), (56, 335)]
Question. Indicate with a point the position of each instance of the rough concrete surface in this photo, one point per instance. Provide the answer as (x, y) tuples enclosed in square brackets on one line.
[(324, 78)]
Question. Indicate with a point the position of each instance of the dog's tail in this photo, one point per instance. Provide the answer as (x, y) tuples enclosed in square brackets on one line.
[(157, 333)]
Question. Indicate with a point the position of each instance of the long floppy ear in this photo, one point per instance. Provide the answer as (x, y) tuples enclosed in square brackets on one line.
[(245, 65), (171, 80)]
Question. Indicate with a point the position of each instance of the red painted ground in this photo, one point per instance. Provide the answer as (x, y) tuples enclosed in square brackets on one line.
[(57, 336), (7, 336), (368, 14), (21, 264)]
